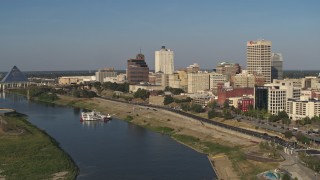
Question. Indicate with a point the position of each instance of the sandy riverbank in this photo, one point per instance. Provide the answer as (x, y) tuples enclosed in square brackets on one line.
[(181, 125)]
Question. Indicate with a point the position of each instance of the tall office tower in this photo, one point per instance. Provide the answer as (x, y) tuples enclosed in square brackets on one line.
[(137, 70), (276, 66), (259, 58), (164, 61)]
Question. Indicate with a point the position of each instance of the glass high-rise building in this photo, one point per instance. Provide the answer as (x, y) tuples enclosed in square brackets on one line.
[(276, 66), (259, 58)]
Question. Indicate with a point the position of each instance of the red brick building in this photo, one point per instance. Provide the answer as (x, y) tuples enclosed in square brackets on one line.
[(224, 94), (244, 104)]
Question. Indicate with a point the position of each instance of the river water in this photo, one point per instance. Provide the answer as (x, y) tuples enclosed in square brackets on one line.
[(115, 149)]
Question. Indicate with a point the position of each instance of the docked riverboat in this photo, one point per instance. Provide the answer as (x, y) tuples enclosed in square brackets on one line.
[(94, 116)]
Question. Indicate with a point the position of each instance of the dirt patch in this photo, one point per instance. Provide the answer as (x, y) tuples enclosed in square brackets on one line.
[(60, 175), (223, 167)]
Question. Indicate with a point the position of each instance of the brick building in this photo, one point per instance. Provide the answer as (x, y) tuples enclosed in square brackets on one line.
[(137, 70), (224, 94)]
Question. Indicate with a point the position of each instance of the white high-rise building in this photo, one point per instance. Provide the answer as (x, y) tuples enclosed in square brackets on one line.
[(164, 61), (259, 58)]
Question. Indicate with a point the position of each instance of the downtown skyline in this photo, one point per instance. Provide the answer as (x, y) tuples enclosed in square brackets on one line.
[(83, 35)]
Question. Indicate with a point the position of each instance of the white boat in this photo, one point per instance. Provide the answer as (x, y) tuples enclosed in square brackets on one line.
[(94, 116), (109, 116)]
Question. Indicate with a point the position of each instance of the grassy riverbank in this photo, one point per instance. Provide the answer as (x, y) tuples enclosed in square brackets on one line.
[(29, 153)]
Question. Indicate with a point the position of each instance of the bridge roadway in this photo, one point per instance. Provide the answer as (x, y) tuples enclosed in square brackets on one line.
[(264, 136)]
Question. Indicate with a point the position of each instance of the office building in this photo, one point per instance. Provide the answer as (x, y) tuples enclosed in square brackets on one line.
[(193, 68), (261, 97), (198, 81), (179, 79), (137, 70), (276, 66), (164, 61), (228, 69), (104, 73), (215, 80), (244, 79), (303, 107), (259, 58)]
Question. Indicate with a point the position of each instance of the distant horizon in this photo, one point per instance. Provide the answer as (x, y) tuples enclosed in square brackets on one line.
[(151, 70)]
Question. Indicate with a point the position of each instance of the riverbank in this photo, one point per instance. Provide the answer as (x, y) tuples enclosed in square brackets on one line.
[(202, 137), (27, 152)]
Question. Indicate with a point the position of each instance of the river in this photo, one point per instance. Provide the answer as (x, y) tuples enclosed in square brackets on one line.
[(115, 149)]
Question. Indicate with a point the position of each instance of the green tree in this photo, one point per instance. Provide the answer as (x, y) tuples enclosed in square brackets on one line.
[(288, 134), (286, 121), (167, 100), (185, 107), (196, 108), (212, 114), (227, 114), (141, 93), (282, 115), (212, 104), (226, 104), (302, 138)]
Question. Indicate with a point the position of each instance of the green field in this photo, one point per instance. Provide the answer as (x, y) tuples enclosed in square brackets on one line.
[(29, 153)]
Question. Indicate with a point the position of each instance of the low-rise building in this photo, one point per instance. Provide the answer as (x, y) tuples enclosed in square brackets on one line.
[(245, 103), (135, 87), (226, 93), (202, 99), (68, 80), (106, 74), (303, 107)]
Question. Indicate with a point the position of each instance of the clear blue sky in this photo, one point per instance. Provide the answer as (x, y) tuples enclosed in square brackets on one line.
[(91, 34)]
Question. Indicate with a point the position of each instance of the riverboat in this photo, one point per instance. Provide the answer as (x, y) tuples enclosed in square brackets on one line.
[(94, 116)]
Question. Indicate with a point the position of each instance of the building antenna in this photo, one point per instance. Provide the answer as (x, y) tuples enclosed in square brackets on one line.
[(140, 50)]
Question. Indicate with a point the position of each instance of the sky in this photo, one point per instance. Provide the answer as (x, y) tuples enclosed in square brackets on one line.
[(45, 35)]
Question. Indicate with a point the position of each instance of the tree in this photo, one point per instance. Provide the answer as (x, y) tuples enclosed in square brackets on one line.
[(185, 107), (226, 104), (211, 114), (141, 93), (286, 177), (302, 138), (167, 100), (282, 115), (288, 134), (286, 121), (196, 108), (174, 91), (227, 114), (212, 104)]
